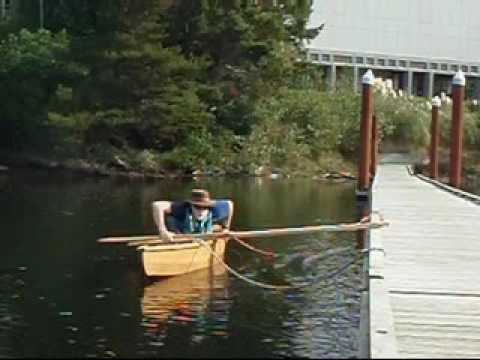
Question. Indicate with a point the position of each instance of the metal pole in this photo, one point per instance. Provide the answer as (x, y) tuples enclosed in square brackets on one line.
[(41, 13), (333, 77), (435, 137), (456, 143), (431, 83), (374, 147), (366, 133), (409, 82), (355, 78)]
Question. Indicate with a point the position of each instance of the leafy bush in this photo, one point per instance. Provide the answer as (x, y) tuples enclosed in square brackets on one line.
[(404, 120), (407, 120), (274, 144), (471, 125), (327, 122), (204, 151)]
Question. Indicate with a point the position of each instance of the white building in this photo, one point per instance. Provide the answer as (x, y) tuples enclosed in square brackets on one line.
[(419, 44), (5, 9)]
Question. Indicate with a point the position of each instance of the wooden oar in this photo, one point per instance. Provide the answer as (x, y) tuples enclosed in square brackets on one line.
[(176, 237), (155, 239)]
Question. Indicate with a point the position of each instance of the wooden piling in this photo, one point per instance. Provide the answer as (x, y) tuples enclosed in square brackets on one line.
[(456, 143), (374, 148), (366, 134), (435, 137)]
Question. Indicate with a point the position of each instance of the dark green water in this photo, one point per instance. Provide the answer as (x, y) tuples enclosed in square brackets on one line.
[(64, 295)]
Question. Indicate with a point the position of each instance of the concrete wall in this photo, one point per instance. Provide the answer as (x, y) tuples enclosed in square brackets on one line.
[(424, 28)]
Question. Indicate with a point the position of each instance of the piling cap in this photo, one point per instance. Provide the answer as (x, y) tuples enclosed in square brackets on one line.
[(459, 79), (368, 78), (436, 101)]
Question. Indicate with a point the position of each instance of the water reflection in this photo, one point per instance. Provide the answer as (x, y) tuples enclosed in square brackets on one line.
[(185, 299)]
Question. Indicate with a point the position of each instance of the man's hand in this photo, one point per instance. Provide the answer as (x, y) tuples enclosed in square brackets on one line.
[(365, 219), (217, 228), (166, 236)]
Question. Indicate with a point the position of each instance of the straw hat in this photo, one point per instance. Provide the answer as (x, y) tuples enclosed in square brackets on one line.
[(201, 198)]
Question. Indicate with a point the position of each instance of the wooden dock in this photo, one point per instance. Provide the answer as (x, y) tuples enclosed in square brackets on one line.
[(423, 272)]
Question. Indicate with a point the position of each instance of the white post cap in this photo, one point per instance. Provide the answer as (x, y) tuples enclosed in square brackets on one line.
[(459, 79), (368, 78), (436, 101)]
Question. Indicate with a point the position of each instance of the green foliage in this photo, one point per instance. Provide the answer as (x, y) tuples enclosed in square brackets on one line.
[(327, 122), (141, 94), (205, 151), (32, 66), (252, 50), (273, 144), (471, 125), (404, 120), (28, 53), (205, 85)]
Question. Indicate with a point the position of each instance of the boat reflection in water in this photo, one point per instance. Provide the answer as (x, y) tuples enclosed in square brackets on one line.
[(198, 298)]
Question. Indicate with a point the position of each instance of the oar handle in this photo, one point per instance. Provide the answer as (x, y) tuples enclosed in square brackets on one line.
[(248, 234)]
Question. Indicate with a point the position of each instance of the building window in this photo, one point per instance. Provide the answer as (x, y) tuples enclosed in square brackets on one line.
[(359, 60), (465, 68), (454, 67), (314, 57), (418, 64), (392, 63), (433, 66), (342, 59), (326, 57), (381, 62), (370, 61), (444, 67), (474, 69), (402, 63)]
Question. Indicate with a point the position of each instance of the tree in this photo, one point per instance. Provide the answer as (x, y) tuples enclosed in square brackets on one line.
[(32, 64), (140, 93), (254, 50)]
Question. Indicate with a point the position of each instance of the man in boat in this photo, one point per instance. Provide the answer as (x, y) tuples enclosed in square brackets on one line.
[(198, 215)]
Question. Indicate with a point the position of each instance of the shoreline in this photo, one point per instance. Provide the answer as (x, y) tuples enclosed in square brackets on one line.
[(8, 162)]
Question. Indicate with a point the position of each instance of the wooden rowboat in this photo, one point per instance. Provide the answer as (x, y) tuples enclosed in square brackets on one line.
[(170, 259)]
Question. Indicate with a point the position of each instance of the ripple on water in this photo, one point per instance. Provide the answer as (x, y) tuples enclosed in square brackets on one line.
[(10, 320)]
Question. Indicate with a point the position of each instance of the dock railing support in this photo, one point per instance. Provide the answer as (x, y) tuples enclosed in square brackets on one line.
[(374, 148), (366, 135), (456, 143), (435, 137)]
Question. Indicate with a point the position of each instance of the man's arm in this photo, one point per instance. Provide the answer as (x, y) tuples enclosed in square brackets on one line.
[(160, 210)]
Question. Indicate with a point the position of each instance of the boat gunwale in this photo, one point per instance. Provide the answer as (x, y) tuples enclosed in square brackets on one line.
[(169, 246)]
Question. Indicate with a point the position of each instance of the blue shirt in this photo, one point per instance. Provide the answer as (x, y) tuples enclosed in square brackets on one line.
[(181, 209)]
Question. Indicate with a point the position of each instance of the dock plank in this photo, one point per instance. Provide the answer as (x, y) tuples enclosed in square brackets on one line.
[(432, 258)]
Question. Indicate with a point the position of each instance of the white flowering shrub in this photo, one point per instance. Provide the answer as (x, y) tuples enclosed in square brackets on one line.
[(407, 119)]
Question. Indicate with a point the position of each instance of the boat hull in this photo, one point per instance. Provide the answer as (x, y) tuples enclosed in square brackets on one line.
[(177, 259)]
